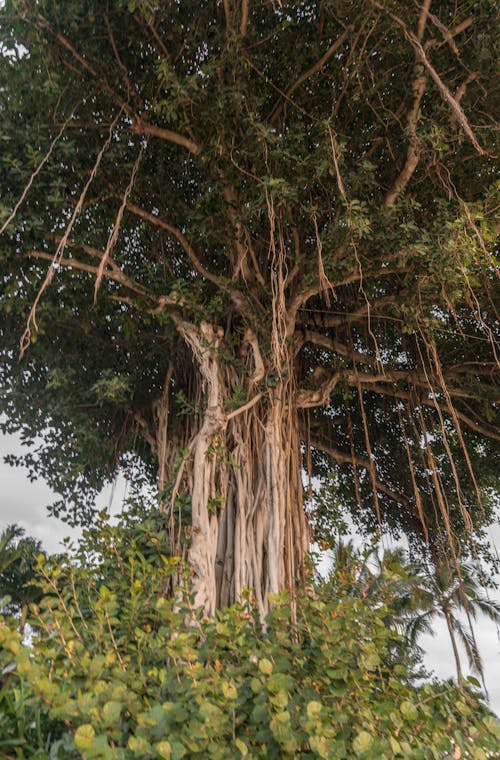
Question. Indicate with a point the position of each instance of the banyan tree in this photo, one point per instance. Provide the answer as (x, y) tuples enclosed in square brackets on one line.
[(252, 244)]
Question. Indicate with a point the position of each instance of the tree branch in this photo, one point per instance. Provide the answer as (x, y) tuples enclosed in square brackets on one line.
[(306, 399), (244, 17), (424, 400), (139, 124), (142, 127), (345, 458), (157, 222), (455, 106), (419, 87), (311, 71), (245, 407), (113, 273), (318, 339)]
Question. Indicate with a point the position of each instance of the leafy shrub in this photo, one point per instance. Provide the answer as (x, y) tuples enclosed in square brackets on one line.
[(120, 670)]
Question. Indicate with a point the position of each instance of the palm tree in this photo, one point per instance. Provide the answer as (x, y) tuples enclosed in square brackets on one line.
[(447, 591), (17, 571)]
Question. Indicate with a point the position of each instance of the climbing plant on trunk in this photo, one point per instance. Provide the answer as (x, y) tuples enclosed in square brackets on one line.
[(253, 244)]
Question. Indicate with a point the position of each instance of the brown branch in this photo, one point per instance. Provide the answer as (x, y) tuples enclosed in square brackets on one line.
[(306, 399), (139, 124), (449, 34), (240, 266), (113, 273), (333, 320), (244, 17), (303, 296), (318, 339), (36, 173), (413, 150), (157, 222), (371, 464), (424, 400), (345, 458), (245, 407), (142, 127), (227, 14), (422, 21), (419, 85), (416, 491), (299, 301), (259, 371), (119, 61), (31, 321), (455, 106), (146, 432), (113, 237), (414, 378), (73, 263), (311, 71)]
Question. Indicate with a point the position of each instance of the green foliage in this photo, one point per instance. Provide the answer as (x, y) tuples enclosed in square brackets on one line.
[(118, 670), (18, 557)]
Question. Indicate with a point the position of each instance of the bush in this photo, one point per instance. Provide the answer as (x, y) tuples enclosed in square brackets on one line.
[(119, 670)]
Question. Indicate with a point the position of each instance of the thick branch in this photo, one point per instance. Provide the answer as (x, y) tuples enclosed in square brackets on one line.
[(338, 348), (419, 86), (414, 378), (413, 151), (244, 17), (244, 407), (142, 127)]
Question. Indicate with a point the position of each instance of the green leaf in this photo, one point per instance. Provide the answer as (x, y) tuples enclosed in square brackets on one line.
[(320, 745), (492, 725), (314, 709), (84, 736), (265, 666), (239, 744), (362, 743), (395, 746), (279, 699), (229, 690), (409, 710), (164, 749), (111, 712)]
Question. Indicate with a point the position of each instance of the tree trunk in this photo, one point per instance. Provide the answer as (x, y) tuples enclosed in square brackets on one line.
[(454, 646), (243, 475)]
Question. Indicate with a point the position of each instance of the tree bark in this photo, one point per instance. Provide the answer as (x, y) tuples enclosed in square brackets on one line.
[(242, 473), (454, 646)]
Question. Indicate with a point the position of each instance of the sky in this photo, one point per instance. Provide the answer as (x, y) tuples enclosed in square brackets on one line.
[(25, 503)]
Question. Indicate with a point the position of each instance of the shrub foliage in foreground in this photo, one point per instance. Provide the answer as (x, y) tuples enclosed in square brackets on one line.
[(116, 672)]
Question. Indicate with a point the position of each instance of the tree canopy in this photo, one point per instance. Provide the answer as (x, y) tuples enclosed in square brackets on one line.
[(253, 244)]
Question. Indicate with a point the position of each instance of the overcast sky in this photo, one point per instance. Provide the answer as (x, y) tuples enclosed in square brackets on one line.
[(25, 503)]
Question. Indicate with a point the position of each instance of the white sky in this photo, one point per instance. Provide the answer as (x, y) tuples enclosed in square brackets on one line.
[(25, 503)]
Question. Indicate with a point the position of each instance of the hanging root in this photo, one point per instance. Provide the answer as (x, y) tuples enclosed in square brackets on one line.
[(31, 321)]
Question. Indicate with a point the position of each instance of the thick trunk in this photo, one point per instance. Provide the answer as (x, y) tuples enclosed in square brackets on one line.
[(243, 475)]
